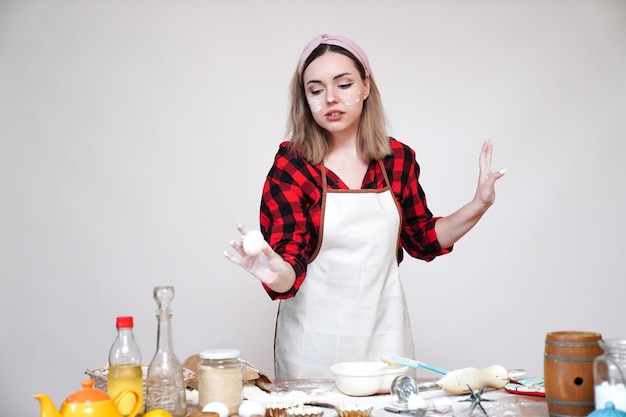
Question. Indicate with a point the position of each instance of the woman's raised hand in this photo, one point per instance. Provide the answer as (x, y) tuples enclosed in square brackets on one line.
[(485, 191)]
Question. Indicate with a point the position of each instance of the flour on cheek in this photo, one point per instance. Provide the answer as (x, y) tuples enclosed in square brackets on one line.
[(350, 99), (314, 104)]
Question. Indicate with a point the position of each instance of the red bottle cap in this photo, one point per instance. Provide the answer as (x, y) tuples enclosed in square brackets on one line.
[(124, 322)]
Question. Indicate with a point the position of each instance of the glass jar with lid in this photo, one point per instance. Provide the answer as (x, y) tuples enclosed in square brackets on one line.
[(609, 370), (220, 378)]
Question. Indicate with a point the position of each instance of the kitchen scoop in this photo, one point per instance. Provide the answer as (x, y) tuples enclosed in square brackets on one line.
[(460, 381), (456, 382)]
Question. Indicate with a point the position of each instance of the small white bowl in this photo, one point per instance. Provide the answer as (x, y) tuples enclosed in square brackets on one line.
[(359, 379)]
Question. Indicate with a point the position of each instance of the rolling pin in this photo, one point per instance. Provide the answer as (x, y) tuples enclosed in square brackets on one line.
[(456, 382)]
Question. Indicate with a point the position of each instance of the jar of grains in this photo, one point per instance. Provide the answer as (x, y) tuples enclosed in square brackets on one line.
[(220, 379)]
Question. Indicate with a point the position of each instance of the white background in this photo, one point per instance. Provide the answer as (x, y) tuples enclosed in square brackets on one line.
[(135, 134)]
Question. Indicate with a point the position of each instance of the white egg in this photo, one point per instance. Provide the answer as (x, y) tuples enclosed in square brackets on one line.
[(216, 407), (253, 242), (249, 408)]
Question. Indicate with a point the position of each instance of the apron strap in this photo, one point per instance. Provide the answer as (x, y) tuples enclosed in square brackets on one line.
[(320, 235), (382, 168)]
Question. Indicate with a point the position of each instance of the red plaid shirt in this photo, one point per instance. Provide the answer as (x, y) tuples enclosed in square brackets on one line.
[(291, 207)]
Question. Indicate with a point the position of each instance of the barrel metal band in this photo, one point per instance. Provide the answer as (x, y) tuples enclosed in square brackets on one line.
[(568, 358), (553, 414), (572, 344), (571, 403)]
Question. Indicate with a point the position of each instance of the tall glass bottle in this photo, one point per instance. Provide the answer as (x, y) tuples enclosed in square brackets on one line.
[(165, 384), (125, 365)]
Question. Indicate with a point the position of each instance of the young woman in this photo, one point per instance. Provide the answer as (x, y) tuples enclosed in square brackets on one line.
[(340, 205)]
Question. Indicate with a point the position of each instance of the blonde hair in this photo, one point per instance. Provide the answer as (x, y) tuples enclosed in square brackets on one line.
[(309, 139)]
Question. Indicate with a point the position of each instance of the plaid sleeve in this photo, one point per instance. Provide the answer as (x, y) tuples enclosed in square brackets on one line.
[(290, 213), (418, 236)]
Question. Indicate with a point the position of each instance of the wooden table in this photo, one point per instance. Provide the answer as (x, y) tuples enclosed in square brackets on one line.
[(501, 403)]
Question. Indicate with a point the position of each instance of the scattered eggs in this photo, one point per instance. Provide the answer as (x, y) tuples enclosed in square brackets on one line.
[(216, 407), (253, 242), (249, 408)]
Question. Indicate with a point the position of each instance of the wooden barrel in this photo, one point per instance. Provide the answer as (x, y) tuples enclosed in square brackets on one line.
[(568, 372)]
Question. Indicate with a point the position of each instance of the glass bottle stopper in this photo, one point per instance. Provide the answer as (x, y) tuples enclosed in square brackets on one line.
[(163, 295)]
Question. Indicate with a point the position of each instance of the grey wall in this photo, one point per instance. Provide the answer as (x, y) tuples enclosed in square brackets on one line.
[(135, 134)]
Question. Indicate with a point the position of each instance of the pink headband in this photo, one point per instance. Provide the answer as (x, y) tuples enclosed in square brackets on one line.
[(338, 40)]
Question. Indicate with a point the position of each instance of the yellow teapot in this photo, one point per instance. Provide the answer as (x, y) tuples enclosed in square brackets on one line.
[(88, 402)]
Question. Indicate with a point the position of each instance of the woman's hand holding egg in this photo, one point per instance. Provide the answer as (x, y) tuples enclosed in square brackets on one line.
[(248, 247), (253, 253), (253, 243), (257, 257)]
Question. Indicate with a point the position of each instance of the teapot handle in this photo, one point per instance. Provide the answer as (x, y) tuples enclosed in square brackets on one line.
[(137, 405)]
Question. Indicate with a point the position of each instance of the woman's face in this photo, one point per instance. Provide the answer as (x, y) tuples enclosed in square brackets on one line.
[(335, 93)]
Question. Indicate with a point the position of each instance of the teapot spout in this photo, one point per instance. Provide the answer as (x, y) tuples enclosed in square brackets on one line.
[(47, 406)]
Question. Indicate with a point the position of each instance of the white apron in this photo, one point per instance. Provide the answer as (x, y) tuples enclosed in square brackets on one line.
[(351, 306)]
